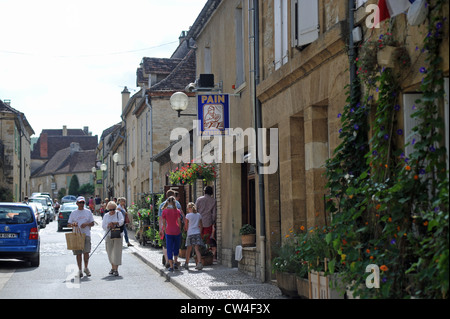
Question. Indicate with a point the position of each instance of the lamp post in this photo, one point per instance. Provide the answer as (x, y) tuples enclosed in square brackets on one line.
[(179, 102)]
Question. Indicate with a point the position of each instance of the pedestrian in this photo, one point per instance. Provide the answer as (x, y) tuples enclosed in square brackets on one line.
[(206, 206), (171, 217), (123, 209), (98, 202), (111, 220), (103, 207), (91, 204), (194, 229), (169, 193), (83, 219)]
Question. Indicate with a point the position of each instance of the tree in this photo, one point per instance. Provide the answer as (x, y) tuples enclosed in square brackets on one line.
[(74, 185)]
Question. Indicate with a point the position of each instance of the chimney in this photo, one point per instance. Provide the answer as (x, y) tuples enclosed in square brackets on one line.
[(86, 130), (64, 132), (125, 98), (74, 148), (43, 145)]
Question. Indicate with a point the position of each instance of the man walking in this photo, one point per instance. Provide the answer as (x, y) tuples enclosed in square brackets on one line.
[(206, 206), (83, 219)]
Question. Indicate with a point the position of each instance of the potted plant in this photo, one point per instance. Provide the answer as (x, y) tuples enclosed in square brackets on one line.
[(286, 265), (191, 172), (248, 235)]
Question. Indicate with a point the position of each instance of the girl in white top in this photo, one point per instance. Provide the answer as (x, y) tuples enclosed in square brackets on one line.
[(194, 229)]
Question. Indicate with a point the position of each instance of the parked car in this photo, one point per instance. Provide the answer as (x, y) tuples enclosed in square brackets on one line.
[(64, 213), (39, 213), (69, 199), (49, 215), (19, 234), (49, 206)]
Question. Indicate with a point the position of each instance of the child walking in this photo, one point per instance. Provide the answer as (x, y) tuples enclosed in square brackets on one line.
[(194, 229)]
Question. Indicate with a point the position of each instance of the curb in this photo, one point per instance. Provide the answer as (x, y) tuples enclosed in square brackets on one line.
[(188, 290)]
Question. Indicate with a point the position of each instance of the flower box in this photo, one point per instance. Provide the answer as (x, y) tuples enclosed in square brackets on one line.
[(287, 283), (319, 286), (303, 287), (386, 56), (248, 240)]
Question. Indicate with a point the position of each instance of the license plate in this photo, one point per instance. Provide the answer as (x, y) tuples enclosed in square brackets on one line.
[(7, 235)]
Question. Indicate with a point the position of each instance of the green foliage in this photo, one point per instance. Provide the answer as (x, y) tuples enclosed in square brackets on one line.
[(387, 208), (74, 185)]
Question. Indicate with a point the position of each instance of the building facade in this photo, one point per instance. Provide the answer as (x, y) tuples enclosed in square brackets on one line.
[(15, 149)]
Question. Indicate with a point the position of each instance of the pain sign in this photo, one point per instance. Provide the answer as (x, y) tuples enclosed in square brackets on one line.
[(214, 114)]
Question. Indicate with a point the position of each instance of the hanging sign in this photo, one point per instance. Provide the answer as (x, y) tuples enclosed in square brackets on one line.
[(214, 114)]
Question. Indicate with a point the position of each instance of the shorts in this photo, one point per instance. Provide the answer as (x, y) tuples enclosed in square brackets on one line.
[(193, 240), (87, 247), (206, 235)]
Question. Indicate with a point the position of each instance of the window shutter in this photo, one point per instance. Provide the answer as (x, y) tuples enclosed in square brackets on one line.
[(308, 21)]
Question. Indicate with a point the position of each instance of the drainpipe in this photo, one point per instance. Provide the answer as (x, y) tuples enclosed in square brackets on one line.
[(150, 108), (254, 39)]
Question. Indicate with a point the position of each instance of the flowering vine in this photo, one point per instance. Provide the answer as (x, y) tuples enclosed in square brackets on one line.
[(390, 208)]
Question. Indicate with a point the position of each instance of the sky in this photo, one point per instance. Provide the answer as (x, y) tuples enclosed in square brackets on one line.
[(67, 62)]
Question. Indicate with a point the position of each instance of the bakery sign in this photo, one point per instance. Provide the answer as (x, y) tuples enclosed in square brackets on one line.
[(214, 114)]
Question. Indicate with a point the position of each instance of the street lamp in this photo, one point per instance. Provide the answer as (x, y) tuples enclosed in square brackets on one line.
[(179, 102), (117, 158)]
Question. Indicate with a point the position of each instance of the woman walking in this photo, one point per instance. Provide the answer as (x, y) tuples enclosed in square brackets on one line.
[(113, 219), (172, 228)]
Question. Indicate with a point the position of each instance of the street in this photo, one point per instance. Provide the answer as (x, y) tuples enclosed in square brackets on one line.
[(54, 278)]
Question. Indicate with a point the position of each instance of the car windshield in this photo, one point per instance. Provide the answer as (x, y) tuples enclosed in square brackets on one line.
[(70, 207), (43, 201), (15, 215)]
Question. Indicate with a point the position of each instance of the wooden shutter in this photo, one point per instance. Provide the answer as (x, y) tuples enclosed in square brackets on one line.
[(308, 21)]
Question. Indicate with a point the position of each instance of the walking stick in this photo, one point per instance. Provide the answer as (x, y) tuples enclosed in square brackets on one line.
[(99, 243)]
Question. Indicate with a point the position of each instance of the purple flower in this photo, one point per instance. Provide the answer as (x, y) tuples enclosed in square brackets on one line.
[(339, 115), (393, 241), (352, 110), (340, 131), (438, 25), (374, 153), (397, 107), (422, 171), (384, 280), (413, 141), (386, 137), (356, 127), (399, 131), (423, 70), (432, 149)]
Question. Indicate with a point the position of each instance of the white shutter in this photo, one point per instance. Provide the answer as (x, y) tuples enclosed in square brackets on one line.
[(308, 21), (281, 33), (409, 107)]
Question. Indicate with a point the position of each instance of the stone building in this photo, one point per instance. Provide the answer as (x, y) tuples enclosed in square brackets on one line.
[(15, 149)]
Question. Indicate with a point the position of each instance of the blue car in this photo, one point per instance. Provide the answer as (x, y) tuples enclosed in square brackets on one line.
[(19, 233)]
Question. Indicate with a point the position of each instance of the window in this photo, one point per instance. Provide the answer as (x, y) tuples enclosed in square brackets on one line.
[(305, 22), (239, 23), (281, 33)]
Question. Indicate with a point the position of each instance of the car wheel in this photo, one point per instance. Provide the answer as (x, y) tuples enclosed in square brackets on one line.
[(35, 261)]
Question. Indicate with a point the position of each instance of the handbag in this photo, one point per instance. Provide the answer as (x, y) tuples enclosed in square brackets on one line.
[(115, 232), (75, 239)]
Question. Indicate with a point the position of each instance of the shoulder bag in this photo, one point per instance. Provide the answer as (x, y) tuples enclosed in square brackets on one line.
[(115, 232)]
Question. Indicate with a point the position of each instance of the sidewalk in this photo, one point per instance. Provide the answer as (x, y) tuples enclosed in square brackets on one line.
[(212, 282)]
